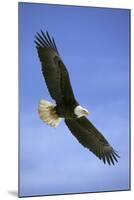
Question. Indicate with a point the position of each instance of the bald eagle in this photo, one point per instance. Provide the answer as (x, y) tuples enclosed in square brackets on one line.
[(66, 106)]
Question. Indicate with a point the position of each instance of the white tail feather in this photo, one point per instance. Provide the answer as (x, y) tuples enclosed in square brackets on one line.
[(48, 114)]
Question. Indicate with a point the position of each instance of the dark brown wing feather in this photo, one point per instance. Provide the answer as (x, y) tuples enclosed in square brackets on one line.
[(92, 139), (54, 70)]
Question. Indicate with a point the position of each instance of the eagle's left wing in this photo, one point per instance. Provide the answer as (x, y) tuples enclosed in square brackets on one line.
[(92, 139)]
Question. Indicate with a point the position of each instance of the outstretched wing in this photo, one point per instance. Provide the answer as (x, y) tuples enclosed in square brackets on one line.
[(92, 139), (53, 68)]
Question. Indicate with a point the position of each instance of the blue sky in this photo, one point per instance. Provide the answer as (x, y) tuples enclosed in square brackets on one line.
[(94, 45)]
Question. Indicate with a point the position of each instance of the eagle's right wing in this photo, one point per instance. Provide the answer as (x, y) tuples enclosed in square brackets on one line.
[(54, 70), (92, 139), (47, 52)]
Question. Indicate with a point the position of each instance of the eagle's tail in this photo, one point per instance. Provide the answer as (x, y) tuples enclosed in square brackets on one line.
[(48, 113)]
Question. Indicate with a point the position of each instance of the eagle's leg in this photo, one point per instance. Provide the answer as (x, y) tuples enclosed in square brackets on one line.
[(48, 113)]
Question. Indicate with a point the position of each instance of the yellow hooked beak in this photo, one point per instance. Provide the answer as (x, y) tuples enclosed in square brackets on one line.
[(85, 112)]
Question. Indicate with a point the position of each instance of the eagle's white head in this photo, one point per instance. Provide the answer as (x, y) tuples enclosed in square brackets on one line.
[(80, 111)]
